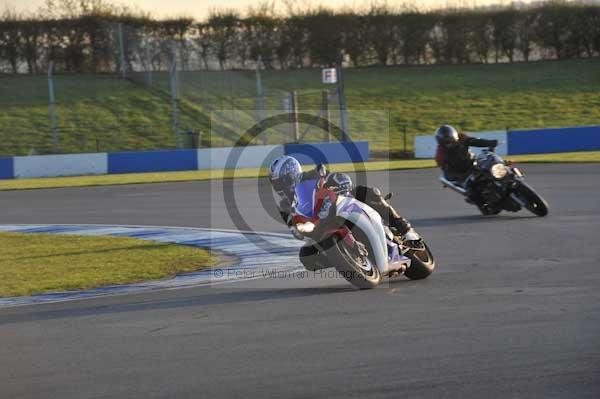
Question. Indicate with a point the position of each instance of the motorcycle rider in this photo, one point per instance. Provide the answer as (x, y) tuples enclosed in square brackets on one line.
[(285, 172), (455, 159), (453, 155)]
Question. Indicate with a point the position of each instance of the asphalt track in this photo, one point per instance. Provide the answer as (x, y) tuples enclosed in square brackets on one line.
[(512, 311)]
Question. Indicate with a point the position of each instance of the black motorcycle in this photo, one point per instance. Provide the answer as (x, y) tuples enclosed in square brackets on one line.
[(495, 185)]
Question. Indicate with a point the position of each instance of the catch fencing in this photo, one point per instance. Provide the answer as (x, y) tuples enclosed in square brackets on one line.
[(165, 95)]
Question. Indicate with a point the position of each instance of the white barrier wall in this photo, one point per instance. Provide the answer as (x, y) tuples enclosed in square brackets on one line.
[(247, 157), (60, 165), (425, 146)]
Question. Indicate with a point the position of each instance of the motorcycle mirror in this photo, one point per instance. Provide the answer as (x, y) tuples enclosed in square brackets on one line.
[(390, 195)]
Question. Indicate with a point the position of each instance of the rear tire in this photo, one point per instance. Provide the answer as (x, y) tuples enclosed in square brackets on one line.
[(533, 201), (361, 274), (422, 263)]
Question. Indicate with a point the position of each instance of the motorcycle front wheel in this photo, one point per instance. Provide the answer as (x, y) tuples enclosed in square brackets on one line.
[(360, 271), (532, 200)]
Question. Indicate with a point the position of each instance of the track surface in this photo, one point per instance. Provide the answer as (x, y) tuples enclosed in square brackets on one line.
[(513, 309)]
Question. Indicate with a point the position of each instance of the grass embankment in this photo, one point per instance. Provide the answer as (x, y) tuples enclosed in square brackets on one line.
[(95, 113), (140, 178), (37, 263), (125, 115)]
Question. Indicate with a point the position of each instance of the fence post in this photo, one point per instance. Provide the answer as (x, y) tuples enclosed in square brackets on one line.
[(122, 52), (175, 100), (294, 116), (342, 99), (326, 115), (232, 100), (405, 131), (260, 100), (148, 62), (202, 89), (52, 106)]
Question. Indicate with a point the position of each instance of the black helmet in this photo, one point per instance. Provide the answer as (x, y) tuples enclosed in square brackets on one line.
[(446, 135), (339, 183)]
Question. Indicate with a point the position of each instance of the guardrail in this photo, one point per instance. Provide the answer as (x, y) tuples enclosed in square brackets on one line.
[(539, 141), (534, 141), (425, 146), (178, 160)]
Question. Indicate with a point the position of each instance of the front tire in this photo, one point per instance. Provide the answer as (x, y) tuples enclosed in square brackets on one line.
[(422, 262), (361, 272), (532, 200)]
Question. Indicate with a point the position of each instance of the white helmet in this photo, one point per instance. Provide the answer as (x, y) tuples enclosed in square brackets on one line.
[(284, 173)]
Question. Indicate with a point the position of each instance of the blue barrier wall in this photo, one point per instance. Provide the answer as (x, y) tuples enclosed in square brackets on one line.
[(519, 142), (152, 161), (554, 140), (335, 152), (7, 168)]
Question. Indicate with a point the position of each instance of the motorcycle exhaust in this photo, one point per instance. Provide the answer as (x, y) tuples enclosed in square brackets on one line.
[(449, 184)]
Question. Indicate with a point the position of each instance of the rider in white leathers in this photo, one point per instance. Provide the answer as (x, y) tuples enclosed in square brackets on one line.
[(285, 172)]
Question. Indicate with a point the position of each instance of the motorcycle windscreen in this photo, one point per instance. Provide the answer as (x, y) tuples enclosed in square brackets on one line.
[(487, 161), (305, 197)]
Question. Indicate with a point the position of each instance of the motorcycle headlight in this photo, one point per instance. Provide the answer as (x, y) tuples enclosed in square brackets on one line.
[(499, 171), (325, 208), (305, 228)]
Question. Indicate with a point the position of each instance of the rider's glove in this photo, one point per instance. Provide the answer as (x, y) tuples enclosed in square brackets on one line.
[(321, 170)]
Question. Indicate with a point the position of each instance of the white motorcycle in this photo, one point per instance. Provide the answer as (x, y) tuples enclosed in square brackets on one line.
[(351, 237)]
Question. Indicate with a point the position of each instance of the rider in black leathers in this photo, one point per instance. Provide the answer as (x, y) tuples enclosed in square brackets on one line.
[(456, 161), (453, 155)]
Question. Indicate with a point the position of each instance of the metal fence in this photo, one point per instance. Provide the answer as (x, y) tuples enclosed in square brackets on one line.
[(221, 104), (161, 97), (169, 94)]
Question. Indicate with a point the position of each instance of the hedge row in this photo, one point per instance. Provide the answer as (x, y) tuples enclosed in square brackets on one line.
[(90, 40)]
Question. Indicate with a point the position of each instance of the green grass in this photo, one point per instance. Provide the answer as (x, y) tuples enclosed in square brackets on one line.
[(94, 112), (565, 157), (38, 263), (140, 178), (472, 97), (120, 115), (130, 178)]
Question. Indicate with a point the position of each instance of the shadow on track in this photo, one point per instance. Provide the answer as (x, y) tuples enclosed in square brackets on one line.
[(209, 297), (468, 219)]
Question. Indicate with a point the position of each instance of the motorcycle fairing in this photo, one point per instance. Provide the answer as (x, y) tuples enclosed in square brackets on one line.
[(369, 221), (305, 198)]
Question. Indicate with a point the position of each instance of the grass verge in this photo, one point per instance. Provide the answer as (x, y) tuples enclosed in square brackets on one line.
[(38, 263), (199, 175), (103, 112)]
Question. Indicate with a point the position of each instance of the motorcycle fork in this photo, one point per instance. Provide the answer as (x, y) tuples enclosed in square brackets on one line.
[(343, 232), (349, 239)]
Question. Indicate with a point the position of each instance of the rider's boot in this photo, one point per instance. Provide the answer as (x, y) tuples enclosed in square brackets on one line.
[(373, 198), (474, 198)]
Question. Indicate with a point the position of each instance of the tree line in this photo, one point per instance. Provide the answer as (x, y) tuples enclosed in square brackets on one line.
[(89, 36)]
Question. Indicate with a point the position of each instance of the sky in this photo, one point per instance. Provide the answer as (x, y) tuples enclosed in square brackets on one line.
[(200, 8)]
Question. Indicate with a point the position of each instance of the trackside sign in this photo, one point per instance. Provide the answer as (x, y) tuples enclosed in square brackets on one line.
[(329, 75)]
